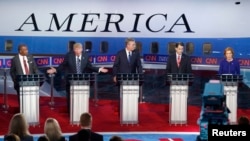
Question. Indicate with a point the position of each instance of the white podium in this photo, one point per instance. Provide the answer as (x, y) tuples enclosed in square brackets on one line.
[(29, 96), (79, 95), (129, 97), (179, 84), (230, 86)]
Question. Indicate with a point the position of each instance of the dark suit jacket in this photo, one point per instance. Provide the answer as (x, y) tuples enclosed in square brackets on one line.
[(26, 138), (122, 65), (16, 68), (86, 135), (185, 64), (69, 64)]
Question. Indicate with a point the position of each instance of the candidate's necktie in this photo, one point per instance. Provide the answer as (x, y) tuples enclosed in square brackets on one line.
[(25, 66), (129, 56), (178, 60), (78, 65)]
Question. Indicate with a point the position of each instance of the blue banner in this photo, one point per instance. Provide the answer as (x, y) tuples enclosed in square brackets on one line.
[(147, 58)]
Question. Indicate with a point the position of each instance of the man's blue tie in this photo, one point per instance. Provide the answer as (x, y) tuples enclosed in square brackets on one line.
[(78, 65)]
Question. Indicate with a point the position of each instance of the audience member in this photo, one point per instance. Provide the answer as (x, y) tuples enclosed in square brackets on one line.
[(19, 126), (11, 137), (43, 138), (85, 133), (116, 138), (243, 120), (52, 130)]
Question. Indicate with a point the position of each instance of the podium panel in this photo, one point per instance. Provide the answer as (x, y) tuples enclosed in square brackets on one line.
[(231, 101), (29, 97), (79, 95), (129, 97), (178, 104), (129, 103), (230, 86), (179, 84)]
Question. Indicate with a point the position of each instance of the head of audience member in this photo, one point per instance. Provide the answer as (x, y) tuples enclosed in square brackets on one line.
[(52, 129), (77, 48), (23, 49), (130, 44), (243, 120), (115, 138), (19, 126), (179, 48), (43, 138), (86, 120), (11, 137), (229, 53)]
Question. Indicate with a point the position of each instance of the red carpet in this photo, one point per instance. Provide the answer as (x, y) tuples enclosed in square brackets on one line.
[(152, 117)]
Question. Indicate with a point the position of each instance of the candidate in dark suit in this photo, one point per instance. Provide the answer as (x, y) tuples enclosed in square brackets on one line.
[(76, 62), (229, 65), (127, 60), (179, 62), (85, 134), (22, 64)]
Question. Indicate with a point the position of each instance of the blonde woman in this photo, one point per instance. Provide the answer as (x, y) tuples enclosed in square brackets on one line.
[(229, 65), (52, 130), (19, 126)]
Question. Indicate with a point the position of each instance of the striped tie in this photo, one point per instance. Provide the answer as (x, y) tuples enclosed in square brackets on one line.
[(78, 65)]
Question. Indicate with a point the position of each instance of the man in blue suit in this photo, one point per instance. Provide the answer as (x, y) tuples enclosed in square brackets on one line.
[(127, 60), (76, 62), (179, 62)]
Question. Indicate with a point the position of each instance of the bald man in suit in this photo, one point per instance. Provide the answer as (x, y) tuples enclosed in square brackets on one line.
[(179, 62), (18, 66)]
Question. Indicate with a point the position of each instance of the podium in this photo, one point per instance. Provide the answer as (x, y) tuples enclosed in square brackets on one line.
[(179, 84), (230, 85), (79, 95), (29, 96), (129, 96)]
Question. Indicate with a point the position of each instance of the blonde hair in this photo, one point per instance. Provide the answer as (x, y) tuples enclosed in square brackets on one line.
[(85, 120), (77, 45), (18, 125), (228, 49), (52, 129)]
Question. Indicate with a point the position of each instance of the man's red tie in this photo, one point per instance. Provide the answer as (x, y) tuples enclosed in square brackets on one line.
[(178, 60), (25, 67)]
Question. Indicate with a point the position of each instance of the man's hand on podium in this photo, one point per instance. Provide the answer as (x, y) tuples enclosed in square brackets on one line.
[(114, 79), (102, 69), (51, 70)]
